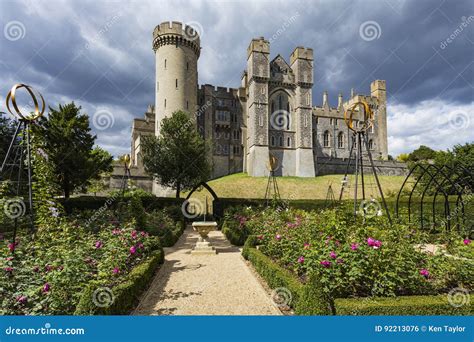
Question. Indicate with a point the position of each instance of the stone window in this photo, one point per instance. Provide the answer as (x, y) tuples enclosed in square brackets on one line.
[(165, 64), (273, 106), (371, 144), (165, 103), (260, 120), (306, 120), (222, 115), (288, 142), (371, 129), (187, 104), (273, 140), (326, 139), (281, 141), (331, 121), (340, 140), (336, 122), (176, 83), (187, 65)]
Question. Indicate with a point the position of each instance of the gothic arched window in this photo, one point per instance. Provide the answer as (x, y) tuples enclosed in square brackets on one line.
[(340, 140), (288, 142), (326, 139), (281, 141)]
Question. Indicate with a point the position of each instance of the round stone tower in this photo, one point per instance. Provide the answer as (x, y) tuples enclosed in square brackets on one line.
[(177, 49)]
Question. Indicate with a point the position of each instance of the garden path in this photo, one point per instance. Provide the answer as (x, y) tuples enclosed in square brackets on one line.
[(219, 284)]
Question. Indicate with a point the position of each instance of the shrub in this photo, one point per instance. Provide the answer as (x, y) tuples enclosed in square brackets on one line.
[(405, 305), (125, 295)]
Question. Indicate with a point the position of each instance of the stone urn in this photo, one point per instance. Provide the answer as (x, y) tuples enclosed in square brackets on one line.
[(203, 246)]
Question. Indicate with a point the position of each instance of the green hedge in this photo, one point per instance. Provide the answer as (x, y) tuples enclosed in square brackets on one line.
[(407, 305), (126, 294), (91, 202), (304, 300), (171, 236), (236, 236), (309, 299)]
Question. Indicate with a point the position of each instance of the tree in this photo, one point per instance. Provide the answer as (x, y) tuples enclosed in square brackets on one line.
[(7, 130), (422, 153), (178, 157), (403, 157), (69, 145)]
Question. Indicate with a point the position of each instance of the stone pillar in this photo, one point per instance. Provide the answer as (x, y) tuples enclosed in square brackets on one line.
[(258, 74), (378, 90), (301, 62)]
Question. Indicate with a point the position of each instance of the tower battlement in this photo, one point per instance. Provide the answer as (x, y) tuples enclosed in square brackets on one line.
[(301, 53), (258, 45), (174, 32)]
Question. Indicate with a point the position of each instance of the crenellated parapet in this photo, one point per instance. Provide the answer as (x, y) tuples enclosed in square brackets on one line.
[(175, 33)]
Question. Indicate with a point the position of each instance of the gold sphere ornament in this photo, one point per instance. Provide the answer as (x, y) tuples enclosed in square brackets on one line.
[(11, 98)]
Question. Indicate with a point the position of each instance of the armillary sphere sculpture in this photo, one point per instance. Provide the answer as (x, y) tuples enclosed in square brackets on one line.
[(272, 192), (18, 155), (359, 143), (127, 163)]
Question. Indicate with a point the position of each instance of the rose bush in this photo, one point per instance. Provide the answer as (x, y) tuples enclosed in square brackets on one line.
[(353, 257)]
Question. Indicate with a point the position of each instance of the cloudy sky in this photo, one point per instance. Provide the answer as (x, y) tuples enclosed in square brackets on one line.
[(98, 54)]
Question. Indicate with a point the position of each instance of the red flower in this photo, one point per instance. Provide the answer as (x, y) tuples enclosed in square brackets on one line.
[(133, 249)]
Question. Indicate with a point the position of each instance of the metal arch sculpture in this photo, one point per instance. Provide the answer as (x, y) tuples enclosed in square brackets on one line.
[(432, 171), (216, 206)]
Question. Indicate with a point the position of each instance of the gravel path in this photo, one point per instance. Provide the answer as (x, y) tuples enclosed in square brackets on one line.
[(219, 284)]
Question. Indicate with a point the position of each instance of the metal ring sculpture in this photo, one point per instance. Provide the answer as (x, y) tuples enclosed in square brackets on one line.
[(368, 117), (11, 97)]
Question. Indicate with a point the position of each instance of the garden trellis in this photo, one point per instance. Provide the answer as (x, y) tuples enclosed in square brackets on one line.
[(17, 160), (456, 181)]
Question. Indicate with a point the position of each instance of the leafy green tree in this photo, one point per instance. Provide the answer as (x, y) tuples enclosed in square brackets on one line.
[(403, 157), (7, 130), (422, 153), (178, 157), (69, 145)]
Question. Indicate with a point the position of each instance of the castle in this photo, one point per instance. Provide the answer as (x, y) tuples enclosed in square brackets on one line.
[(270, 113)]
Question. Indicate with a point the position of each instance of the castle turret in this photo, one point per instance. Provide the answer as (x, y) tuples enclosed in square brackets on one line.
[(379, 91), (301, 62), (258, 74), (177, 50)]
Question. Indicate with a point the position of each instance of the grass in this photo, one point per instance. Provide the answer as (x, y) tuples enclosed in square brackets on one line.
[(242, 186)]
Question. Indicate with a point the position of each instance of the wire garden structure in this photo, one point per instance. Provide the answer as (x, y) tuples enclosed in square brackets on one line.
[(361, 143), (432, 181), (17, 161), (126, 173), (272, 192)]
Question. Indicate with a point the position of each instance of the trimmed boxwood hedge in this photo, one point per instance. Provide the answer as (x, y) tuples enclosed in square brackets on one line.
[(236, 236), (309, 299), (406, 305), (305, 299), (171, 236), (126, 294), (90, 202)]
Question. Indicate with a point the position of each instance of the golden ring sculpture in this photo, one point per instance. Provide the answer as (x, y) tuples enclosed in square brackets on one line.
[(273, 163), (11, 96), (127, 161), (368, 117)]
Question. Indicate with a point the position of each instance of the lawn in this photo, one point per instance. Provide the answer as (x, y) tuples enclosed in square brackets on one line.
[(243, 186)]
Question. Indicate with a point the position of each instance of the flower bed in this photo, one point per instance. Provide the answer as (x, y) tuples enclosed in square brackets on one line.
[(354, 259)]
